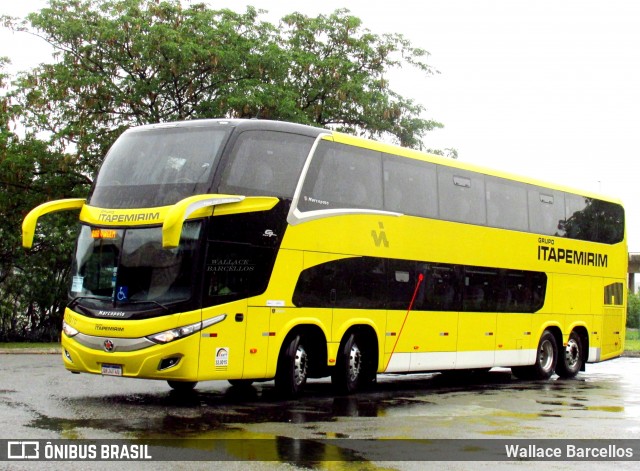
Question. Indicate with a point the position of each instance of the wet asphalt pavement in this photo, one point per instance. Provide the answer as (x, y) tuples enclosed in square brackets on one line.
[(39, 399)]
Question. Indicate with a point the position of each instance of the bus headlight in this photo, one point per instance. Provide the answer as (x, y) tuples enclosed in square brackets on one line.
[(68, 330), (175, 334), (184, 331)]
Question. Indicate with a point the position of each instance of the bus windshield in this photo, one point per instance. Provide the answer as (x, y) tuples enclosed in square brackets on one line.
[(129, 266), (158, 166)]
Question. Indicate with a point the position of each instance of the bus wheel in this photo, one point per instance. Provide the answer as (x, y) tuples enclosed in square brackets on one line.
[(182, 386), (570, 362), (241, 383), (350, 370), (293, 365), (546, 360)]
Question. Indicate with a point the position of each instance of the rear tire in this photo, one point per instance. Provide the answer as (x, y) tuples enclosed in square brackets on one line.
[(293, 367), (571, 358), (546, 360), (355, 367), (349, 370)]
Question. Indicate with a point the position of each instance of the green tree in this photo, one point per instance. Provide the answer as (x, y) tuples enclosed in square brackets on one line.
[(119, 63), (32, 286), (130, 62), (633, 310)]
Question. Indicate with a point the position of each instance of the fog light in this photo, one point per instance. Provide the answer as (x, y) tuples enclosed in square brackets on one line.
[(168, 363), (68, 355)]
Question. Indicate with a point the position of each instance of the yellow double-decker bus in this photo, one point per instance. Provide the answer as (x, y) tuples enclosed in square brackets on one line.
[(249, 250)]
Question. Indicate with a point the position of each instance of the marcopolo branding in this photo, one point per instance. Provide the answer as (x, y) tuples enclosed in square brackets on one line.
[(110, 216), (112, 314), (550, 253)]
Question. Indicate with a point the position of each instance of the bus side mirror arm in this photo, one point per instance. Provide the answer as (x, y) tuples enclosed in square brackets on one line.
[(30, 222), (179, 212)]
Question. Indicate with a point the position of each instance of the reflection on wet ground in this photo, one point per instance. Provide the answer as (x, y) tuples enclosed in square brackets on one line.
[(603, 402), (491, 397), (204, 410)]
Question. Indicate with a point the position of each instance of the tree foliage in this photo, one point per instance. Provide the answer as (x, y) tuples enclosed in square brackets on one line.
[(119, 63), (32, 285), (633, 310), (130, 62)]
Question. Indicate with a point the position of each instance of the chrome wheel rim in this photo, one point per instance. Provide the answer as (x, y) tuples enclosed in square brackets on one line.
[(355, 363), (545, 355), (300, 366), (572, 353)]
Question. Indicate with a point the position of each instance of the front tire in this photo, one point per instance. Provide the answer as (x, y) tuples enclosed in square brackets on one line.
[(571, 357), (546, 360), (241, 383), (182, 386), (293, 367)]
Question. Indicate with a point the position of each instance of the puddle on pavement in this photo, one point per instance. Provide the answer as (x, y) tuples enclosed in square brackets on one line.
[(605, 408), (203, 411), (226, 414)]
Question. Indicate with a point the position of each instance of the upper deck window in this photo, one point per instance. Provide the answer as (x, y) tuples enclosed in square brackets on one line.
[(410, 187), (346, 176), (342, 176), (593, 220), (506, 204), (158, 166), (265, 163), (462, 196), (546, 211)]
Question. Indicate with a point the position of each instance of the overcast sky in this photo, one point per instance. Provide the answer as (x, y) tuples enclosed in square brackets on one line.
[(548, 89)]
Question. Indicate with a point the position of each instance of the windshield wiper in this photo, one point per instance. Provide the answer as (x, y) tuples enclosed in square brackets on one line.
[(75, 300), (148, 302)]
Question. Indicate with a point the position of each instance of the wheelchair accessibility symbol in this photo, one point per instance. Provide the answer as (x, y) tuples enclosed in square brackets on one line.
[(123, 293)]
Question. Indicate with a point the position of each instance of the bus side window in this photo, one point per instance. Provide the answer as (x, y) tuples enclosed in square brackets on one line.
[(235, 271), (402, 283), (506, 204), (410, 187), (482, 289), (343, 176), (441, 287), (546, 211), (265, 163), (461, 196), (315, 287)]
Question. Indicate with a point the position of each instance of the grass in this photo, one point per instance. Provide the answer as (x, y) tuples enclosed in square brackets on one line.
[(632, 341), (17, 345)]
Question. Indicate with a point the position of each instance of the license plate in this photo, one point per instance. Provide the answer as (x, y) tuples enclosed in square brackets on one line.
[(111, 370)]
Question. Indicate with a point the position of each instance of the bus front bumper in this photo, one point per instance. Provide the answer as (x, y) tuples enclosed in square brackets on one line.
[(136, 358)]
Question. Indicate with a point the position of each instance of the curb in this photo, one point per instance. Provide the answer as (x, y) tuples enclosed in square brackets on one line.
[(29, 351), (631, 354)]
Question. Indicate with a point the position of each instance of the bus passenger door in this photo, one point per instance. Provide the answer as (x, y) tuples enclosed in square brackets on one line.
[(614, 319), (222, 345), (257, 342)]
